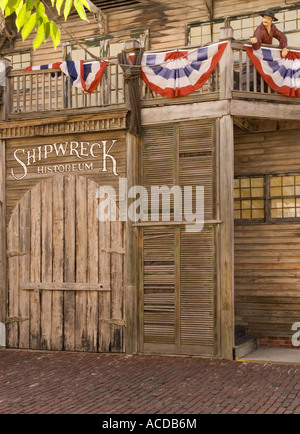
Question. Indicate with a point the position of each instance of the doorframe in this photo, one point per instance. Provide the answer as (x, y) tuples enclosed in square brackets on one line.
[(3, 259)]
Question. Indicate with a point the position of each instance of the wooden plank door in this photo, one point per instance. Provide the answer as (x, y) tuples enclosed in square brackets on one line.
[(65, 270), (178, 277)]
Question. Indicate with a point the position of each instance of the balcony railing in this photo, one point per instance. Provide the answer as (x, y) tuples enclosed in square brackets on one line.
[(49, 90)]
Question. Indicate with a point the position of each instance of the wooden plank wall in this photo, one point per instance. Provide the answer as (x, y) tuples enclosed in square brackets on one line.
[(166, 21), (267, 257), (56, 266)]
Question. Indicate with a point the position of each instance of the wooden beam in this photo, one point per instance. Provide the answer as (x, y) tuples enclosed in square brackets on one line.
[(225, 233), (204, 110), (131, 257), (48, 286), (3, 292), (265, 110)]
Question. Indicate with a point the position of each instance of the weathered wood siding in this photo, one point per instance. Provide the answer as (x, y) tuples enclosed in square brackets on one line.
[(166, 21), (267, 257), (65, 270)]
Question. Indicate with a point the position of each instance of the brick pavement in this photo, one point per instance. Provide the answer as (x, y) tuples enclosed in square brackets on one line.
[(68, 383)]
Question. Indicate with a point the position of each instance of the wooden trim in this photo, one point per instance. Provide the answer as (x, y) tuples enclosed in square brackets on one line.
[(59, 123), (3, 259), (273, 97), (185, 112), (174, 350), (131, 258), (45, 286), (162, 224), (226, 237), (265, 110)]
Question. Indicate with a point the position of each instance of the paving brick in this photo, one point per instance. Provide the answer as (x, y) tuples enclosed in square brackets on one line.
[(69, 383)]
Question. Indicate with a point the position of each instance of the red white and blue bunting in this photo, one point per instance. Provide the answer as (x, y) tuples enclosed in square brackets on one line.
[(84, 76), (281, 74), (179, 73)]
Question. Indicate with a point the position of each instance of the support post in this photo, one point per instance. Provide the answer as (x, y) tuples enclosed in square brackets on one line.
[(5, 82), (3, 295), (226, 73), (131, 265), (226, 236)]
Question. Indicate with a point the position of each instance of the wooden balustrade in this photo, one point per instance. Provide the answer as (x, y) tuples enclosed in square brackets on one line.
[(50, 90)]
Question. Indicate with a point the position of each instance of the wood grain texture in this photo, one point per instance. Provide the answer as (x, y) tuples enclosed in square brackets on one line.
[(66, 288)]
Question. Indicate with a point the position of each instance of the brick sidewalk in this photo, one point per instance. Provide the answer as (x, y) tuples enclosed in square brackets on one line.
[(38, 382)]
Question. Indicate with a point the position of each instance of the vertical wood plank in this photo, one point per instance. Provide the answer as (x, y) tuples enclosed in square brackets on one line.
[(226, 73), (13, 279), (50, 90), (69, 268), (47, 247), (93, 261), (3, 293), (131, 264), (24, 312), (58, 262), (35, 266), (226, 237), (116, 286), (105, 279), (81, 263)]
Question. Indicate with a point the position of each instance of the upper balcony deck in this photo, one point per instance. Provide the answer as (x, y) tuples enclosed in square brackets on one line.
[(45, 92)]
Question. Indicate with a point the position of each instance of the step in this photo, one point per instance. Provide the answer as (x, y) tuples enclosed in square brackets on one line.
[(244, 345)]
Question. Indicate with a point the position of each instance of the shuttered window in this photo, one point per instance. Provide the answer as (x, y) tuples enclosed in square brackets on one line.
[(178, 285)]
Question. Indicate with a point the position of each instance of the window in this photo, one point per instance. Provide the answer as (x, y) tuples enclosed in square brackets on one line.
[(285, 196), (19, 60), (249, 202), (200, 33), (267, 199)]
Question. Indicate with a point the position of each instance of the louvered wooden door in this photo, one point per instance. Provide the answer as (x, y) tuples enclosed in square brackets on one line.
[(178, 279), (65, 278)]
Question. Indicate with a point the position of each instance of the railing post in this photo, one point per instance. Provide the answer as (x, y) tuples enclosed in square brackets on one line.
[(226, 73), (5, 82)]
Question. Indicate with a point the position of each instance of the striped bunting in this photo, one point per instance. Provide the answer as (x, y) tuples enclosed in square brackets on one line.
[(49, 66), (85, 76), (281, 74), (179, 73)]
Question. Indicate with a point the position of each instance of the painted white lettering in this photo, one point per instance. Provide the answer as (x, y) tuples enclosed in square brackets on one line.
[(106, 154), (84, 149), (73, 149), (61, 149), (21, 163), (92, 150), (31, 157), (48, 150)]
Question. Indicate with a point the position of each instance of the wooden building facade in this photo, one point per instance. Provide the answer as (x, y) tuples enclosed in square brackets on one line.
[(69, 281)]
